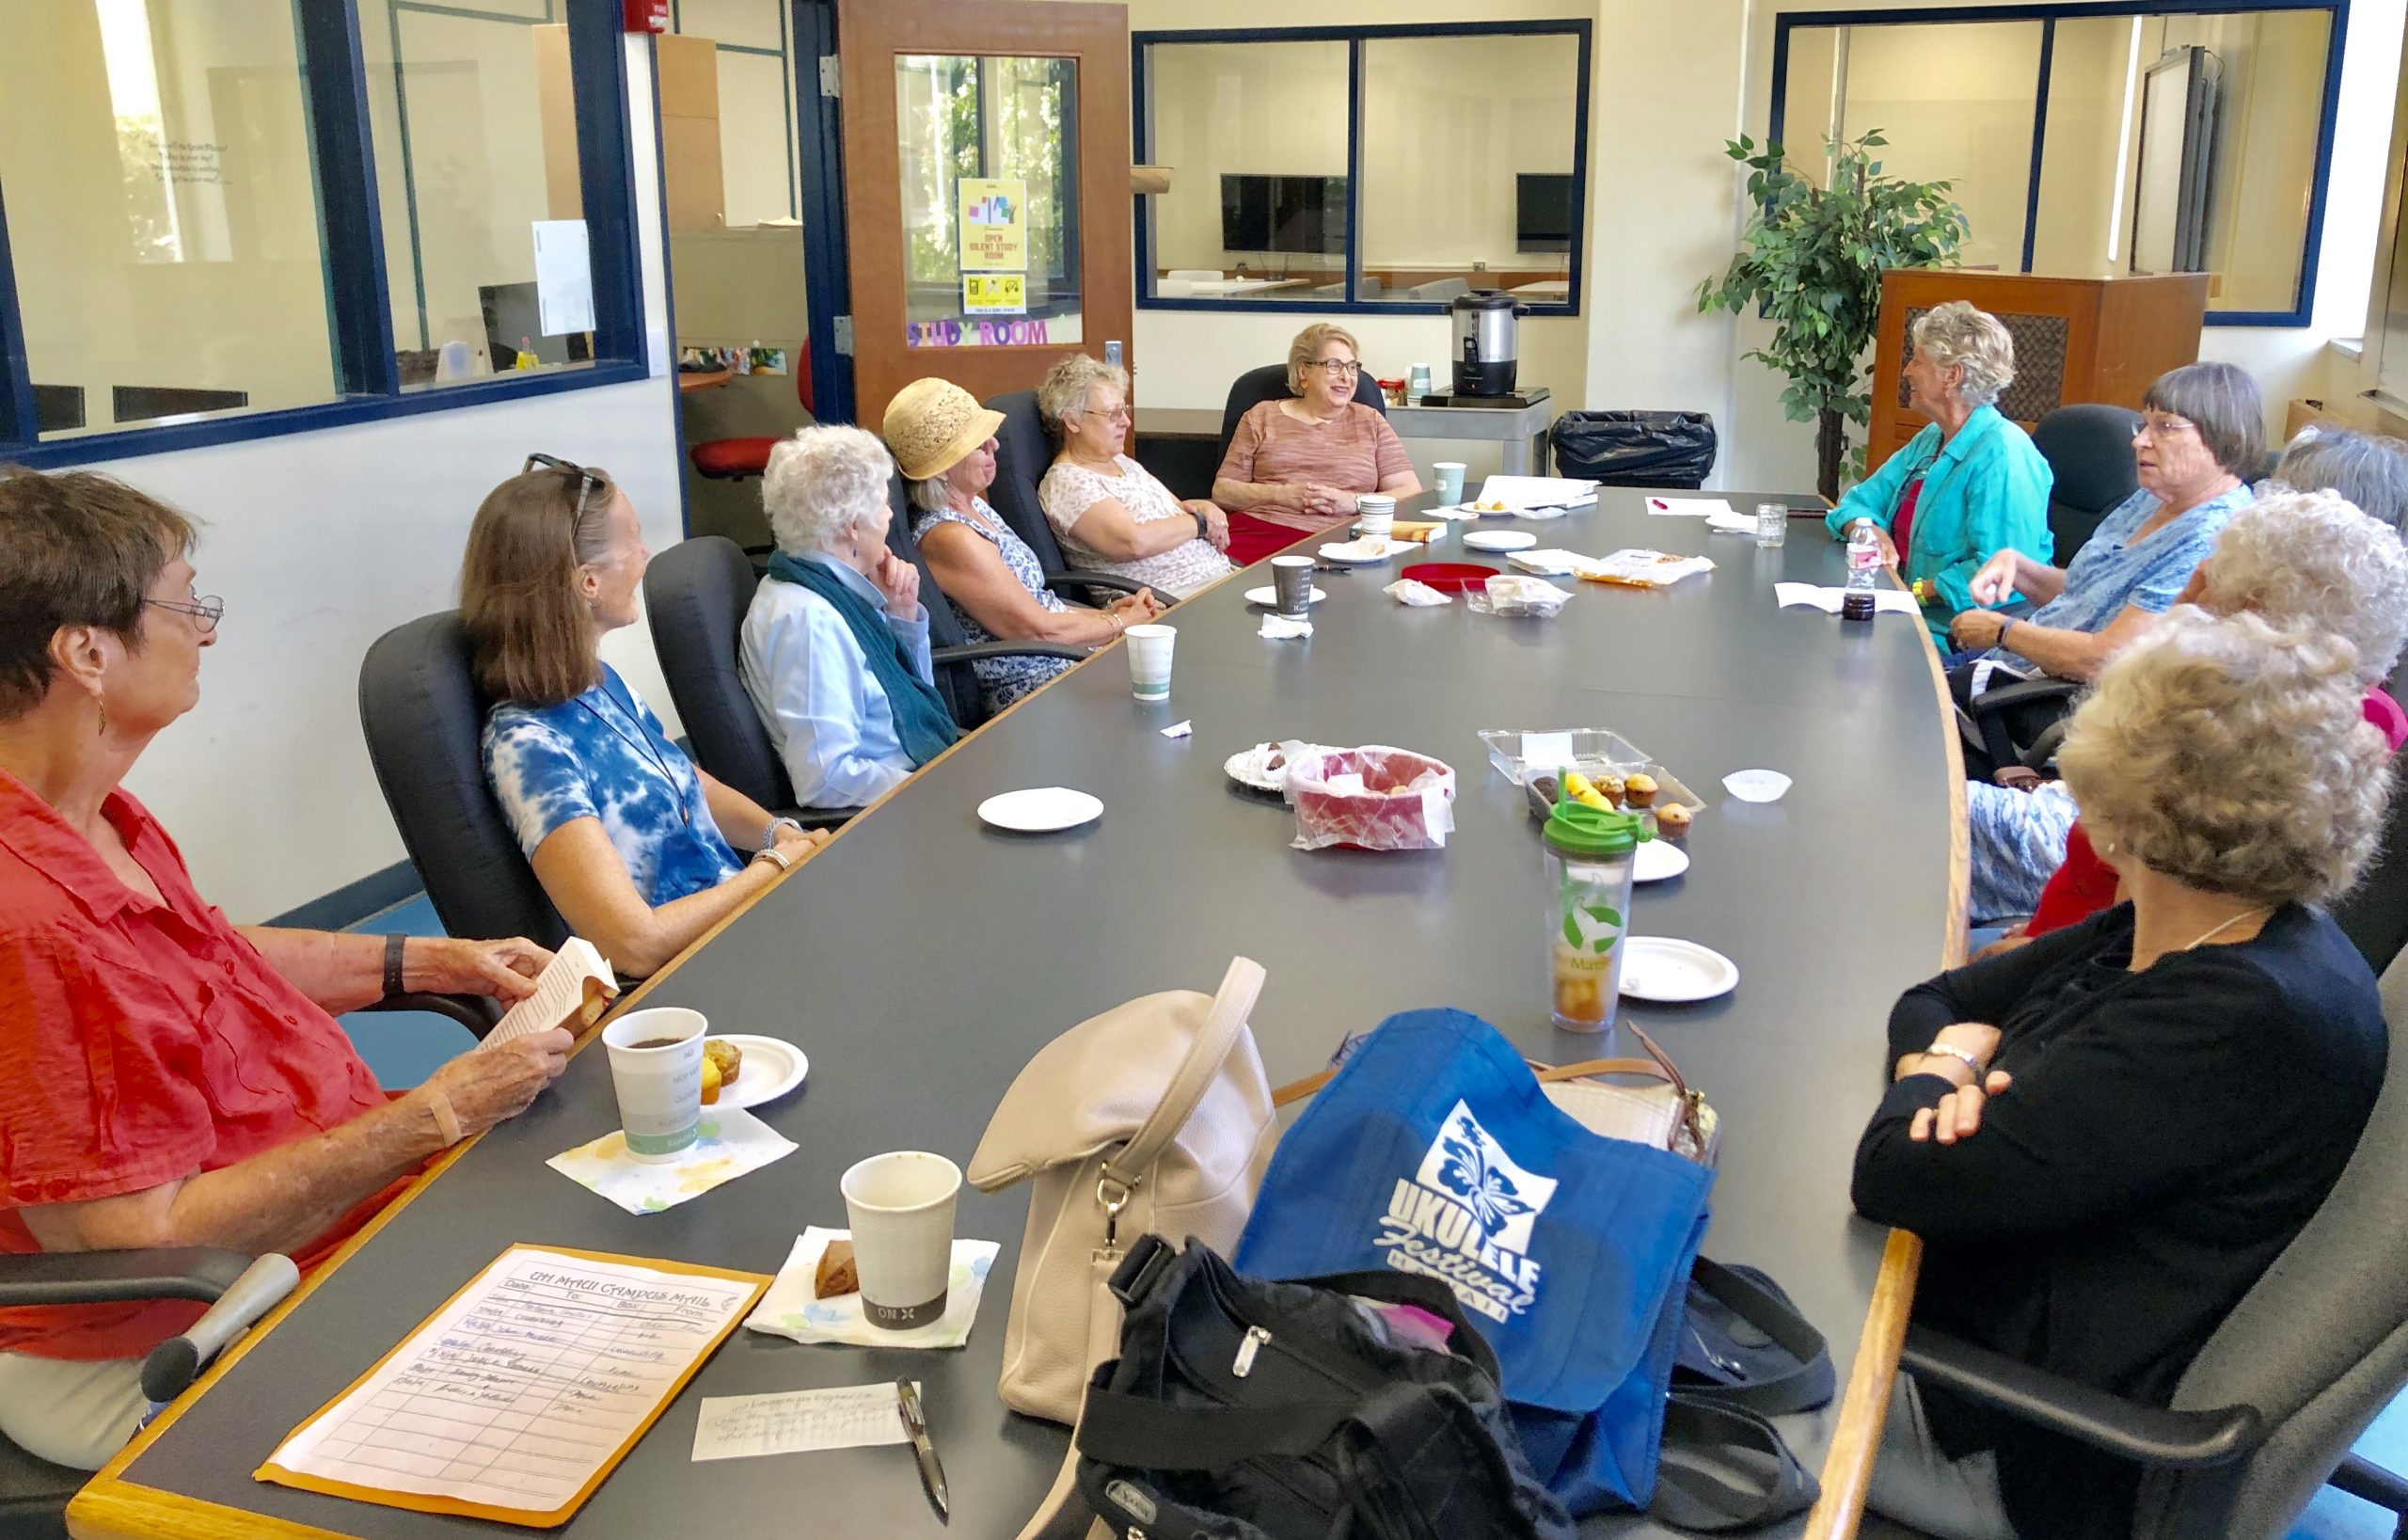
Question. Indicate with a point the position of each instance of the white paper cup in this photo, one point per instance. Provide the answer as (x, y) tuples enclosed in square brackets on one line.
[(1150, 649), (901, 1209), (657, 1067), (1449, 475)]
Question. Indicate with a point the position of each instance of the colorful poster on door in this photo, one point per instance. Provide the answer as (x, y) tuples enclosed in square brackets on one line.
[(995, 294), (994, 224)]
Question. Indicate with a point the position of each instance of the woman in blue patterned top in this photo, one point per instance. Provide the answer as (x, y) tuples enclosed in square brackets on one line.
[(2202, 436), (634, 845), (945, 444)]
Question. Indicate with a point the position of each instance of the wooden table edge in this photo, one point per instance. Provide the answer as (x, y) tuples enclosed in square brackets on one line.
[(1848, 1467)]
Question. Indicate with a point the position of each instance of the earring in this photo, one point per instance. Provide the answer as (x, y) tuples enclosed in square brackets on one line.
[(104, 705)]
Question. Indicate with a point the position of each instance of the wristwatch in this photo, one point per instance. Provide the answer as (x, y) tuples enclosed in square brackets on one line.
[(394, 946), (1203, 526)]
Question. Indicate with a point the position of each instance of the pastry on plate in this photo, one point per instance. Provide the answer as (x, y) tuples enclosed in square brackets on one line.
[(729, 1058)]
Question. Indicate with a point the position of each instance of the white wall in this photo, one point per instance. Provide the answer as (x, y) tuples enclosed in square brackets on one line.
[(321, 542)]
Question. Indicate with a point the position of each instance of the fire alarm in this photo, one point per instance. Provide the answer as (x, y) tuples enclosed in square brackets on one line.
[(647, 15)]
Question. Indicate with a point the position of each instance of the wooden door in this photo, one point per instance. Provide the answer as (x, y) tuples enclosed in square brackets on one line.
[(1030, 99)]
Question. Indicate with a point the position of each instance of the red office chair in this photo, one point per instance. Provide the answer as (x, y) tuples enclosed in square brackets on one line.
[(734, 459)]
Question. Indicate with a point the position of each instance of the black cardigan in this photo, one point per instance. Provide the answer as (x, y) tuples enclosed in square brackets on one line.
[(2166, 1134)]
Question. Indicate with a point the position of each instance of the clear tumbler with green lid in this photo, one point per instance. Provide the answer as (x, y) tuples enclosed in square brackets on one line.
[(1588, 876)]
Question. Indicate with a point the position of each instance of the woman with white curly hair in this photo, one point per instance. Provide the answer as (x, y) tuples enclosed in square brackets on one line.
[(2083, 1131), (1966, 488), (2297, 558), (835, 646)]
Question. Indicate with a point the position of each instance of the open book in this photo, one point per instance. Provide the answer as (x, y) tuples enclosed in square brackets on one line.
[(572, 992)]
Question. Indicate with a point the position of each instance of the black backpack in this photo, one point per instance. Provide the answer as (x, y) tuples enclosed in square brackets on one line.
[(1244, 1409)]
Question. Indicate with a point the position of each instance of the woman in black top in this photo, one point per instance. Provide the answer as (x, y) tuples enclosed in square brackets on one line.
[(2107, 1137)]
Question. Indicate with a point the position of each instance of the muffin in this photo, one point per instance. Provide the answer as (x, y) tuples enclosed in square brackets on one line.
[(1672, 820), (1639, 789)]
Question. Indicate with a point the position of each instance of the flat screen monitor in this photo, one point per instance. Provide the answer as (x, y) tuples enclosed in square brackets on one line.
[(1542, 210), (1303, 215)]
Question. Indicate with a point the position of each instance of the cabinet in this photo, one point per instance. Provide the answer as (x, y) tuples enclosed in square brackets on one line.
[(2076, 339)]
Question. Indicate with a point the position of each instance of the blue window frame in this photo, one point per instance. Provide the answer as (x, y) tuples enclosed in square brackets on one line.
[(367, 372), (1357, 40), (2048, 13)]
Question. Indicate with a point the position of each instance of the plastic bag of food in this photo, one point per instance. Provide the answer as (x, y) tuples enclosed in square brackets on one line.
[(1508, 594), (1374, 796)]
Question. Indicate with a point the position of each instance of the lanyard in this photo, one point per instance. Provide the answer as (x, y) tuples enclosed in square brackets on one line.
[(642, 743)]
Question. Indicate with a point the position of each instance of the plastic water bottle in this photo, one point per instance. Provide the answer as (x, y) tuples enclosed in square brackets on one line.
[(1863, 560)]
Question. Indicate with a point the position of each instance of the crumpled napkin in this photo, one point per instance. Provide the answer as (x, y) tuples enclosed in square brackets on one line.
[(1549, 562), (1415, 592), (788, 1309), (1452, 512), (732, 1142), (1274, 629)]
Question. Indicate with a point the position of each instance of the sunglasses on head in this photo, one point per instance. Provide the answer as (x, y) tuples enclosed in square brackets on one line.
[(588, 482)]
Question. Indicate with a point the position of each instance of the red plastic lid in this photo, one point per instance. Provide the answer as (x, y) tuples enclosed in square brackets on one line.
[(1450, 576)]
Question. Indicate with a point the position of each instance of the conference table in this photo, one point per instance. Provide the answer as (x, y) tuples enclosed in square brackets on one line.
[(922, 959)]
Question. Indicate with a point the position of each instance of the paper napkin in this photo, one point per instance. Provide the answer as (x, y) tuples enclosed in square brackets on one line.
[(788, 1309)]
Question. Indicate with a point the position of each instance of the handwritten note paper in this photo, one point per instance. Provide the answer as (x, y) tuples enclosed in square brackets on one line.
[(793, 1422), (518, 1396), (572, 992)]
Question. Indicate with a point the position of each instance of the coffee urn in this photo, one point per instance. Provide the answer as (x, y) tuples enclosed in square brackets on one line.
[(1486, 344)]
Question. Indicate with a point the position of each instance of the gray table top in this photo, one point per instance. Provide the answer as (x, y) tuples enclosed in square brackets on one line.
[(922, 959)]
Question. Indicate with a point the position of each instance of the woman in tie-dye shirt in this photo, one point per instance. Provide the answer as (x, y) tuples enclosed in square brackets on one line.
[(634, 844)]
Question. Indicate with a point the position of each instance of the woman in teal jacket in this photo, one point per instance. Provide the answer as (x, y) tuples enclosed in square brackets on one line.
[(1966, 488)]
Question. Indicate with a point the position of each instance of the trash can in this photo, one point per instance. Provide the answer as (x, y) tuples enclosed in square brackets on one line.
[(1635, 448)]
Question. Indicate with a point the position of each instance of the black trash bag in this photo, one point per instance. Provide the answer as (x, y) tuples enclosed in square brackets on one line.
[(1635, 448)]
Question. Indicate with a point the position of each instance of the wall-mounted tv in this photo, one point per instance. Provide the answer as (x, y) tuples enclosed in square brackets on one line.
[(1542, 210), (1303, 215)]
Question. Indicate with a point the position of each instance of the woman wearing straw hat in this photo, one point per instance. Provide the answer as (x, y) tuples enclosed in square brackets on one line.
[(945, 444)]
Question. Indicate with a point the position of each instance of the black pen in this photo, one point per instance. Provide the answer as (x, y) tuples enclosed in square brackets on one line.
[(906, 1396)]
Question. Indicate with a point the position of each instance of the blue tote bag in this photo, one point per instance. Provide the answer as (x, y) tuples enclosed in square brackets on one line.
[(1434, 1151)]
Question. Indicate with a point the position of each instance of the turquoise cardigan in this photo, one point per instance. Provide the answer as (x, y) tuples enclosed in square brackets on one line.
[(1985, 490)]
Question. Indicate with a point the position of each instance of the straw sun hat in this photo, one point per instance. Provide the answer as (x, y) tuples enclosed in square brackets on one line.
[(932, 423)]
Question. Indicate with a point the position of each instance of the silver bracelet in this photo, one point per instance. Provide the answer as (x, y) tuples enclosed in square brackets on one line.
[(775, 857), (770, 834), (1949, 1050)]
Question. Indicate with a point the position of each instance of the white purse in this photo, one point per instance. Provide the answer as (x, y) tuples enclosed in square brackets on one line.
[(1660, 1109)]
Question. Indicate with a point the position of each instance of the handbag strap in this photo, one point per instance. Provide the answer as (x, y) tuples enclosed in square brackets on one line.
[(1725, 1467), (1239, 987), (1811, 1384), (1658, 1065)]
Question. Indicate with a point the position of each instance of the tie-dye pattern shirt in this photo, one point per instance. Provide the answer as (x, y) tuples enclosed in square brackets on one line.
[(602, 755)]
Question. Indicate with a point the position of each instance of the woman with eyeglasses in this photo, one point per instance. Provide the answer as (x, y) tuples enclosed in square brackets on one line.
[(635, 845), (1111, 514), (2202, 436), (168, 1078), (1296, 466)]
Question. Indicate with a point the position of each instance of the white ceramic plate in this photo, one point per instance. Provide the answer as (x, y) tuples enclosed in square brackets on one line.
[(1655, 860), (1269, 598), (771, 1070), (1500, 539), (1039, 810), (1674, 971), (1363, 552)]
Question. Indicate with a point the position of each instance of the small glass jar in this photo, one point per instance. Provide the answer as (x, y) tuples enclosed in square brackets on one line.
[(1589, 867), (1772, 524)]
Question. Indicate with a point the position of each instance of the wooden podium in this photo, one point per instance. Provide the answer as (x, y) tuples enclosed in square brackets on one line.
[(2076, 339)]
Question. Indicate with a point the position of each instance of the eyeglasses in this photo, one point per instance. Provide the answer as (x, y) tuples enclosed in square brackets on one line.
[(1337, 367), (588, 482), (1116, 414), (2159, 427), (205, 610)]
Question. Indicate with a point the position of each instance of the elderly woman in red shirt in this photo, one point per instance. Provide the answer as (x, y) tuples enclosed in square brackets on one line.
[(167, 1078), (1297, 465)]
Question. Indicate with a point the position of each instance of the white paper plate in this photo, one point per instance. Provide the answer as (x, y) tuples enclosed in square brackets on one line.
[(1269, 598), (1500, 540), (1657, 859), (771, 1070), (1039, 810), (1248, 767), (1361, 552), (1672, 971)]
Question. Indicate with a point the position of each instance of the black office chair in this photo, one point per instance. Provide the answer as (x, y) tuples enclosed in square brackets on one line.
[(34, 1493), (2374, 914), (423, 717), (2089, 451), (1023, 450), (1270, 383), (695, 594), (2268, 1410)]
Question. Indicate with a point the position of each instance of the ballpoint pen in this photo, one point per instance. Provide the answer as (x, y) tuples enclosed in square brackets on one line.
[(906, 1396)]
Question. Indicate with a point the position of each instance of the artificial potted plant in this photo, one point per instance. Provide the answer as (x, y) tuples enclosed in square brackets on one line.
[(1813, 259)]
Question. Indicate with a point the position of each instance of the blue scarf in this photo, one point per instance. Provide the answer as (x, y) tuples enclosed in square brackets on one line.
[(921, 719)]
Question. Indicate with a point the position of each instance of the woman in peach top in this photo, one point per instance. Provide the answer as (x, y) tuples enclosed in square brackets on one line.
[(1296, 466)]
